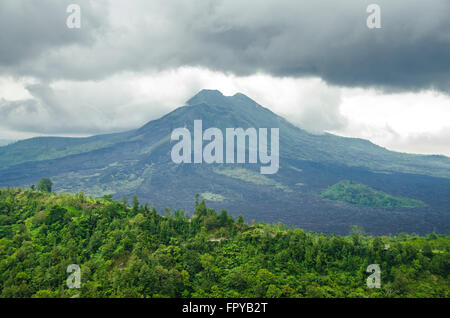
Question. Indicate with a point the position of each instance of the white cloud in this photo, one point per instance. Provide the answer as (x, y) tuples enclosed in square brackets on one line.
[(411, 122), (129, 100)]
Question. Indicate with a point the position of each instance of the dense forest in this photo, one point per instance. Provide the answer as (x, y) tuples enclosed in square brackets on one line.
[(126, 249)]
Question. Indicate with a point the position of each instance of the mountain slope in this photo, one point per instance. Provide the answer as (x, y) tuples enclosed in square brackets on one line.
[(139, 162), (45, 148)]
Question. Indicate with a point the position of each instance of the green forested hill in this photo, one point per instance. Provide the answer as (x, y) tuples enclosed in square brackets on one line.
[(133, 251), (360, 194)]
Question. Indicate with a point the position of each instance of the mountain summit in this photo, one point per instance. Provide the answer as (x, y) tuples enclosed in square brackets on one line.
[(209, 97), (139, 162), (214, 97)]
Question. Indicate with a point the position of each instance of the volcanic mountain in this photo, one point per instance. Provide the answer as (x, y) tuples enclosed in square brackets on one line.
[(409, 193)]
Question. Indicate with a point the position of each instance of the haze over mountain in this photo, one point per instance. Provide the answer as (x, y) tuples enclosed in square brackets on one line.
[(4, 142), (139, 162)]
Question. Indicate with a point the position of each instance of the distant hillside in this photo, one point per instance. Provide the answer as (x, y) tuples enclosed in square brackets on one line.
[(139, 162), (45, 148), (360, 194), (133, 251)]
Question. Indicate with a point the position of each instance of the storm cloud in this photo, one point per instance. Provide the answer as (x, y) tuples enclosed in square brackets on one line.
[(326, 39), (33, 30), (316, 63)]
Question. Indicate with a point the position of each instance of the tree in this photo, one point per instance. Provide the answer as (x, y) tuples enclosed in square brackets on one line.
[(240, 220), (45, 185), (107, 197), (223, 218), (135, 203), (125, 203), (200, 209)]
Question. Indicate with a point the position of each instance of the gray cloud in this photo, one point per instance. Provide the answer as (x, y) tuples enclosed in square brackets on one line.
[(77, 109), (319, 111), (328, 39), (33, 30)]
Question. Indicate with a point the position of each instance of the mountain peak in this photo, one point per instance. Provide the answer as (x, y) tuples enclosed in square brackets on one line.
[(210, 91), (208, 96), (213, 97)]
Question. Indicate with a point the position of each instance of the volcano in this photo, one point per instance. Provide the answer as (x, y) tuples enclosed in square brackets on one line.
[(139, 162)]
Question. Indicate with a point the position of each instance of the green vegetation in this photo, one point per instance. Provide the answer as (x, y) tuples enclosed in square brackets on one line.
[(360, 194), (133, 251), (214, 197), (44, 185)]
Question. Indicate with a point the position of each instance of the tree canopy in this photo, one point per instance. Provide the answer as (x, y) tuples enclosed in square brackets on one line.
[(137, 252)]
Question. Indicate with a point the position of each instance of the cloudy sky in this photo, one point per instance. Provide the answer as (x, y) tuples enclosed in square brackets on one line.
[(314, 62)]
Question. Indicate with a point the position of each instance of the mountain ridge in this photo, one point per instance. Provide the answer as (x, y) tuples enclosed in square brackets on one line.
[(204, 99)]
